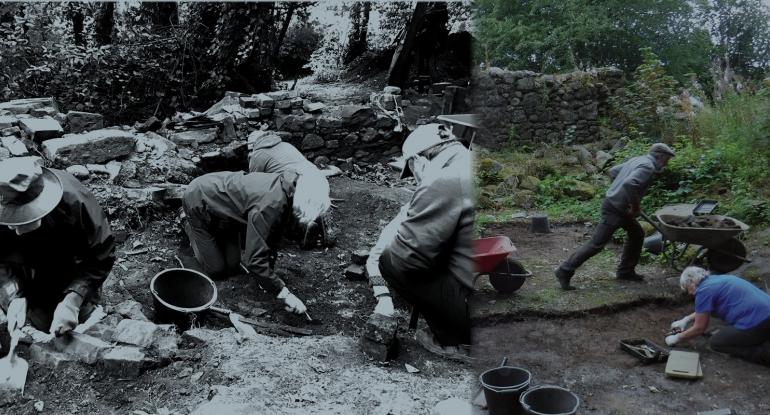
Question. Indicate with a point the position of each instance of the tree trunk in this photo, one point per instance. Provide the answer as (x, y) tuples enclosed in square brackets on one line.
[(104, 23), (284, 28), (398, 73), (359, 28), (77, 26), (162, 13)]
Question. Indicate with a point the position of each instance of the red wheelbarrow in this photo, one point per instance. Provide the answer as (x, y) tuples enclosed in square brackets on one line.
[(493, 257)]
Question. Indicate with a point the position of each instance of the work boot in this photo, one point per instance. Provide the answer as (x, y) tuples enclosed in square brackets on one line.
[(429, 341), (563, 277), (630, 276)]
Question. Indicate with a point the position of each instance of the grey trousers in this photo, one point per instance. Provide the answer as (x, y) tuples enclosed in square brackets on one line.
[(752, 344), (612, 220)]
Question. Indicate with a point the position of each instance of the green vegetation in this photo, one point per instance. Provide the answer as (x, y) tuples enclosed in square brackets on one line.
[(723, 153), (563, 35)]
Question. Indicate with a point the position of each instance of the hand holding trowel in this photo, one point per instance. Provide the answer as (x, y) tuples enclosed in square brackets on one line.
[(13, 369)]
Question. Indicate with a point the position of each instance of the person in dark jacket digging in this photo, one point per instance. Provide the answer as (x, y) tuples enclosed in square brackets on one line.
[(426, 256), (734, 300), (269, 154), (56, 248), (621, 206), (226, 209)]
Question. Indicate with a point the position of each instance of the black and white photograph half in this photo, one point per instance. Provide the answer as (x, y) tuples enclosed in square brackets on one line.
[(236, 208)]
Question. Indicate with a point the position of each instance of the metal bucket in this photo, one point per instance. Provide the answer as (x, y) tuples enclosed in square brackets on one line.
[(549, 400), (502, 387), (181, 295)]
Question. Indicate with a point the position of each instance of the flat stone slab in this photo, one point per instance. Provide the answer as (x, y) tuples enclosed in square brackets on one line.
[(194, 137), (93, 147), (24, 106), (8, 122), (15, 146), (40, 129)]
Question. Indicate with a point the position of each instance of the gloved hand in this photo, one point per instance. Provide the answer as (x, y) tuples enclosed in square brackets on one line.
[(384, 302), (384, 306), (65, 317), (293, 304), (681, 325), (672, 339)]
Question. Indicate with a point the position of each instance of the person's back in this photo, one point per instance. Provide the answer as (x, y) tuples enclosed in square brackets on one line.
[(630, 181), (271, 155), (436, 234), (732, 299), (231, 195)]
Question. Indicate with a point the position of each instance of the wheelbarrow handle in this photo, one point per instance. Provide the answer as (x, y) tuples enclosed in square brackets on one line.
[(651, 222)]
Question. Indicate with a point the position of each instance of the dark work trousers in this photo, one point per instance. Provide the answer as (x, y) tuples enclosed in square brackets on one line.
[(40, 304), (612, 220), (751, 344), (217, 248), (441, 300)]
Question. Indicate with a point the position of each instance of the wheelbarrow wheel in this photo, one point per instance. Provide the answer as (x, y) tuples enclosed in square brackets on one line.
[(726, 257)]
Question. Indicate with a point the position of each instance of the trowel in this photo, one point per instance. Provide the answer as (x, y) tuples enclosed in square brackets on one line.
[(13, 369)]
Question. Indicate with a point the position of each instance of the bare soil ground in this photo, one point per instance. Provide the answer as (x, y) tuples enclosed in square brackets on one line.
[(598, 288), (322, 373), (571, 339)]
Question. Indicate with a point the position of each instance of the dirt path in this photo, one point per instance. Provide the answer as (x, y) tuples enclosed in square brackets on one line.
[(541, 296)]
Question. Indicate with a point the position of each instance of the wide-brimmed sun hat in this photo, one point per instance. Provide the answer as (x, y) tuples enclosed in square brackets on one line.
[(421, 139), (28, 191)]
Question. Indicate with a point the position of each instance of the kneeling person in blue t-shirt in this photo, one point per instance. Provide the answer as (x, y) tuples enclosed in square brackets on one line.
[(739, 303)]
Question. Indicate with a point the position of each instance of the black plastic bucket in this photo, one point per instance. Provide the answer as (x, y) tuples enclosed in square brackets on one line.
[(549, 400), (181, 295), (502, 387)]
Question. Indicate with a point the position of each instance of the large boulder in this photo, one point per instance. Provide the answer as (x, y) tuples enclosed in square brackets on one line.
[(40, 129), (357, 115), (93, 147), (78, 121)]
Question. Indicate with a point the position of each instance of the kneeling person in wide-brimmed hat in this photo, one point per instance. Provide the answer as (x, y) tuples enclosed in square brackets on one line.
[(738, 303), (56, 248), (235, 218)]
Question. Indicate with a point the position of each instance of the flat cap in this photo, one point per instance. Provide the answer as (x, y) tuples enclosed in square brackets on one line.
[(662, 149)]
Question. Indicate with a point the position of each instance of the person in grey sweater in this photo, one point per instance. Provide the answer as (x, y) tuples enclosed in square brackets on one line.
[(620, 208)]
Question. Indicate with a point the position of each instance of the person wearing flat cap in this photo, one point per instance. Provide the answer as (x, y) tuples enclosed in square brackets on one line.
[(425, 253), (56, 246), (621, 206)]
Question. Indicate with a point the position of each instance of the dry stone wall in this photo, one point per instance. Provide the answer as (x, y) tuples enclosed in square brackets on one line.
[(529, 107)]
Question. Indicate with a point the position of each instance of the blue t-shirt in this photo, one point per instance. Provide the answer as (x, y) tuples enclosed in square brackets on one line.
[(732, 299)]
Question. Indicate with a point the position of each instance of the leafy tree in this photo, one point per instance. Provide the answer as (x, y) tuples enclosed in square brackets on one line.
[(557, 36), (741, 29), (359, 28)]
